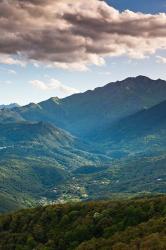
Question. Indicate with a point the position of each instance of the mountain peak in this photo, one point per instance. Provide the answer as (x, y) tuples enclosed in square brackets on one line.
[(55, 99), (139, 77)]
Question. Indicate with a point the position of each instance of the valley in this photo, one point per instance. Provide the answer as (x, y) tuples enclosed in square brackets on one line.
[(44, 160)]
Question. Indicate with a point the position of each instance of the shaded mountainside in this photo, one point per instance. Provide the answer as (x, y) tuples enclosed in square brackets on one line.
[(144, 130), (20, 132), (107, 225)]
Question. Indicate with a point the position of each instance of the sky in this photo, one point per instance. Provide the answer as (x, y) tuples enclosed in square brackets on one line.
[(145, 6), (57, 48)]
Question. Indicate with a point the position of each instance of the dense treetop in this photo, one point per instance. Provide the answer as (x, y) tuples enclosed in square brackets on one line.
[(118, 225)]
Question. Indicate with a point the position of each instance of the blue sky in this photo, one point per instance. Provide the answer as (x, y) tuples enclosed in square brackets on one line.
[(146, 6), (34, 81)]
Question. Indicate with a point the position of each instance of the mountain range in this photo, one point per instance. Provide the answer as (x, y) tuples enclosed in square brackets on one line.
[(108, 142), (86, 113)]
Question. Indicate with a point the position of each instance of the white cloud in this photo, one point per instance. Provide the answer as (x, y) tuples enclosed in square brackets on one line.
[(53, 84), (9, 60), (39, 84), (161, 59), (68, 66), (11, 71)]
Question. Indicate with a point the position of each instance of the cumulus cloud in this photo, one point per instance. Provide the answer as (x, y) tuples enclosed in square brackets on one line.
[(73, 34), (53, 84)]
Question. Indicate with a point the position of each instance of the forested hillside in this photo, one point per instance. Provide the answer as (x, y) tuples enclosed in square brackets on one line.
[(35, 160), (105, 225)]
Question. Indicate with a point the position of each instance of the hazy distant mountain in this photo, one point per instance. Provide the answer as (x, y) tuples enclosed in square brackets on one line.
[(9, 106), (87, 113)]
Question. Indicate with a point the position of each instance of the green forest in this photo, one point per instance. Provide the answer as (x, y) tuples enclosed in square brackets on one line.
[(135, 224)]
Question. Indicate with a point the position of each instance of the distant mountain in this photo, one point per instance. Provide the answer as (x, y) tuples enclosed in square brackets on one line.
[(9, 106), (87, 113)]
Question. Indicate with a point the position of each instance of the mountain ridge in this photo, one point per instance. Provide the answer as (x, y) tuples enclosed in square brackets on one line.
[(98, 108)]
